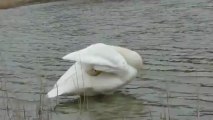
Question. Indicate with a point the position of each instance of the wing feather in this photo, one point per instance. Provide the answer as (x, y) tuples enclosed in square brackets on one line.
[(102, 57)]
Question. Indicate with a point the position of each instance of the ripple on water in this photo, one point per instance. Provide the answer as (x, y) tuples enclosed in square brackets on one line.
[(174, 38)]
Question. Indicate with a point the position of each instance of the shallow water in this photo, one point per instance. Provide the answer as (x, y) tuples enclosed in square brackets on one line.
[(173, 36)]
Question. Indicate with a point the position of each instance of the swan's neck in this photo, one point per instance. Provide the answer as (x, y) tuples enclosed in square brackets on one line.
[(128, 73), (131, 57)]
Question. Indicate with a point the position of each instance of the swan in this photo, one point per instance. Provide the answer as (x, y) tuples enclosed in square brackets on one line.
[(98, 69)]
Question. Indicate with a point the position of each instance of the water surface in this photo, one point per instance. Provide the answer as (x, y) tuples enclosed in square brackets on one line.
[(173, 36)]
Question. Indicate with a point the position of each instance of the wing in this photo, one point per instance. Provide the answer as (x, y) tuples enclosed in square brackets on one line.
[(102, 57), (73, 81), (98, 56)]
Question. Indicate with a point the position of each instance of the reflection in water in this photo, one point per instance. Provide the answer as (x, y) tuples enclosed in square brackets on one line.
[(111, 107)]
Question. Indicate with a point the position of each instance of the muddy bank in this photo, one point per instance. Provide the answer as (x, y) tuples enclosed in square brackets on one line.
[(5, 4)]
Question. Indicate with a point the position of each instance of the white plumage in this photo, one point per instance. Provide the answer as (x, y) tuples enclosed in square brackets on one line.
[(99, 69)]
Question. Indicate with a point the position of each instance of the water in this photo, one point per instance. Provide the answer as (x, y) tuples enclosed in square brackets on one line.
[(173, 36)]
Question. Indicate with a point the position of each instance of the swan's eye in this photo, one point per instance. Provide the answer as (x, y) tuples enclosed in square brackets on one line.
[(93, 72)]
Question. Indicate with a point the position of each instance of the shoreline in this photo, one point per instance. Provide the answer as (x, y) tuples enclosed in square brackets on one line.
[(6, 4)]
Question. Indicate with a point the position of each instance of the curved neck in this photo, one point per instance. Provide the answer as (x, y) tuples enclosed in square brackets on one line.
[(128, 74)]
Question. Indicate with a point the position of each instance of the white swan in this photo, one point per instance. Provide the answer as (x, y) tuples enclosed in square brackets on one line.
[(99, 69)]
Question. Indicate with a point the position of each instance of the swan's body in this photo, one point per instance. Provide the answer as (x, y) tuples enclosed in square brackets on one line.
[(99, 69)]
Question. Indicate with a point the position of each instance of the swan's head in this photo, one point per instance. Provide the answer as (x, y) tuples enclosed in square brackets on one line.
[(133, 58)]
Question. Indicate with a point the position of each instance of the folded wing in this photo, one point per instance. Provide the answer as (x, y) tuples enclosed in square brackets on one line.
[(100, 56)]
